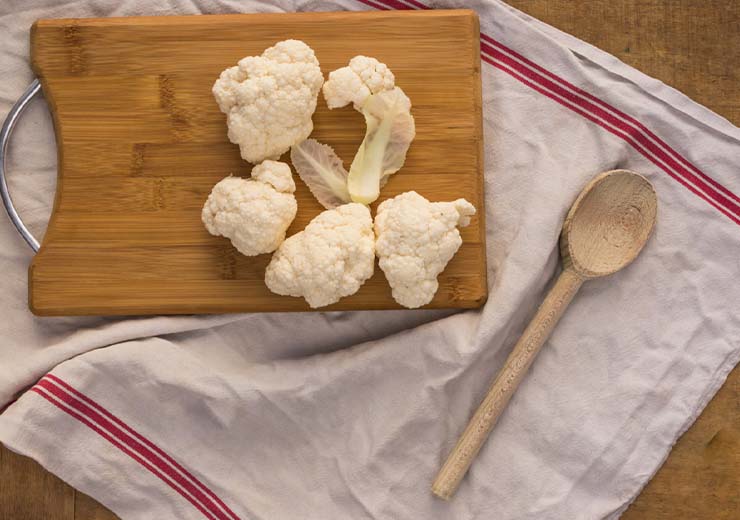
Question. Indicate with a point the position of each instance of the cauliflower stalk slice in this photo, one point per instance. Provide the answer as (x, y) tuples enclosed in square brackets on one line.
[(269, 99), (415, 239), (390, 130), (323, 172), (328, 260), (370, 86), (253, 213)]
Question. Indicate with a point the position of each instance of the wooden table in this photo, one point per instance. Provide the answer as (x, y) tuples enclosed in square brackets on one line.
[(693, 46)]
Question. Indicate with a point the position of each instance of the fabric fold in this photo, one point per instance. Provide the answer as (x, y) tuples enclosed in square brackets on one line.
[(349, 415)]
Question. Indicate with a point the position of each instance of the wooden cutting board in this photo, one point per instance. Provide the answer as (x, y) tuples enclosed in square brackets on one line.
[(141, 143)]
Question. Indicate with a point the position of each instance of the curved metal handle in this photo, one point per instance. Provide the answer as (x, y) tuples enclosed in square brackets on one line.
[(7, 129)]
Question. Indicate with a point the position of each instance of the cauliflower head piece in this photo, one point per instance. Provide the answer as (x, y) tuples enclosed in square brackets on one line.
[(328, 260), (269, 99), (253, 213), (415, 239), (354, 83)]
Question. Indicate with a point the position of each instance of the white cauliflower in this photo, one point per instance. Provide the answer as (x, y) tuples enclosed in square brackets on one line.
[(328, 260), (253, 213), (269, 99), (415, 239), (355, 82)]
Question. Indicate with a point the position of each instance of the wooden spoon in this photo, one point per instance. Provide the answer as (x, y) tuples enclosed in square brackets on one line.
[(606, 228)]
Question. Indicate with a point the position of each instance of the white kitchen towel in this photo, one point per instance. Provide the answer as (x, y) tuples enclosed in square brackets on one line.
[(349, 415)]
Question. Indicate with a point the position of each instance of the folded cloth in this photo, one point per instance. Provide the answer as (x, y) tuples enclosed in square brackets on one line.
[(349, 415)]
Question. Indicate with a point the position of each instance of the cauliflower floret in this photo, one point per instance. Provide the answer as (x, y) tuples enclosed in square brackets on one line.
[(269, 99), (253, 213), (415, 239), (354, 83), (328, 260)]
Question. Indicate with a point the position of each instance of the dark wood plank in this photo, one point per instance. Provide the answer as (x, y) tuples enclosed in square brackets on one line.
[(692, 46), (29, 492), (87, 508), (701, 478)]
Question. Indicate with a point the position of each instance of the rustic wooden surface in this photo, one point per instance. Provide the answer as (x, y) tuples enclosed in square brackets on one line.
[(693, 46), (142, 143), (605, 229)]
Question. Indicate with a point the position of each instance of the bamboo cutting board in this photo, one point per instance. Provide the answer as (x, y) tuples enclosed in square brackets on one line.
[(141, 142)]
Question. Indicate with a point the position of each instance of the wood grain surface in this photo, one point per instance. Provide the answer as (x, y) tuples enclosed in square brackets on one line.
[(693, 46), (141, 142)]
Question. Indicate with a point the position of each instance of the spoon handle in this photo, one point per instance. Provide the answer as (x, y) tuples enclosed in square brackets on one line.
[(516, 365)]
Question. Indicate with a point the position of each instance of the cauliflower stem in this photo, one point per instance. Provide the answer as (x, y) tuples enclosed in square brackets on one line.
[(390, 130)]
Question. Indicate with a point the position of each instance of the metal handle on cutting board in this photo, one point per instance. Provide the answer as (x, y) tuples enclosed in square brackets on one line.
[(7, 129)]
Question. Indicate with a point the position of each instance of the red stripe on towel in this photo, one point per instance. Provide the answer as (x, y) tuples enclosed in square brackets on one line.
[(65, 400), (147, 442)]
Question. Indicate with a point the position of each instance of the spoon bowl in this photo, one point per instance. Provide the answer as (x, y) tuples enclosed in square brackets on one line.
[(608, 224)]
